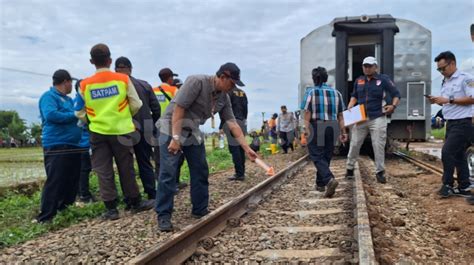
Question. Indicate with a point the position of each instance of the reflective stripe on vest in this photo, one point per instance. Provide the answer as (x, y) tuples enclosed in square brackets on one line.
[(164, 102), (106, 103)]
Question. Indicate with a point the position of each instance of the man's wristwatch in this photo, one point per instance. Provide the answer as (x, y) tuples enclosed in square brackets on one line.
[(176, 137), (451, 99)]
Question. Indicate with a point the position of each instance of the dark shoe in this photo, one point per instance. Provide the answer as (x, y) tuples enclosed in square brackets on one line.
[(331, 188), (182, 185), (143, 206), (463, 192), (380, 177), (470, 200), (87, 199), (349, 173), (165, 225), (235, 177), (446, 191), (151, 196), (199, 216), (320, 189), (42, 221), (111, 214)]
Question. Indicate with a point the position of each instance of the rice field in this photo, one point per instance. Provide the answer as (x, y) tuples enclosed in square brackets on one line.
[(20, 165)]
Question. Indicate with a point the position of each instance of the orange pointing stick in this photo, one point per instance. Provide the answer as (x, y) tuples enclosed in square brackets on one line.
[(268, 169)]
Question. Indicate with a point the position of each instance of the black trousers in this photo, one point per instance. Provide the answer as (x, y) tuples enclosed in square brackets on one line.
[(286, 140), (143, 154), (238, 157), (62, 164), (86, 168), (321, 153), (453, 154)]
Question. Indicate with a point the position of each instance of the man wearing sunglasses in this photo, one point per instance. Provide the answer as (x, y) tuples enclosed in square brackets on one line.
[(371, 90), (457, 99), (200, 98)]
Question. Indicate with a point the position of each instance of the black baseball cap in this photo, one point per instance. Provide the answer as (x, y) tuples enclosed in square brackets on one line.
[(231, 70), (166, 73), (177, 82), (123, 62), (60, 76)]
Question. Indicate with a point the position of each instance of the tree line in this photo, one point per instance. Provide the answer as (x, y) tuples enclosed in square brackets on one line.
[(15, 133)]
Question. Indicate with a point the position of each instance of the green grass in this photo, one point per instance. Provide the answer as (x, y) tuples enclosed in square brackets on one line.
[(439, 133), (27, 154), (17, 211)]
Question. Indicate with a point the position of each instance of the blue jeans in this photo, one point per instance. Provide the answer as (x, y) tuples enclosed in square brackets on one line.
[(321, 154), (195, 155)]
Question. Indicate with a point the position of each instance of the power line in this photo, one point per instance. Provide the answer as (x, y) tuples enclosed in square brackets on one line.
[(29, 72)]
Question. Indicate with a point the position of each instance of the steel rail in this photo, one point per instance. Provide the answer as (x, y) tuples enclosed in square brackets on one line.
[(362, 230), (180, 246), (419, 163)]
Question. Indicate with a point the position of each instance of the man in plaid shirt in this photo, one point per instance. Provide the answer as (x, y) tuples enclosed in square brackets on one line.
[(323, 107)]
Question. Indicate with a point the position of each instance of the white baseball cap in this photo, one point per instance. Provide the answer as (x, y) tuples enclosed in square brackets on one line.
[(369, 60)]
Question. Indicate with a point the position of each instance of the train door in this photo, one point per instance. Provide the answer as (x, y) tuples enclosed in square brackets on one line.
[(355, 55), (364, 36)]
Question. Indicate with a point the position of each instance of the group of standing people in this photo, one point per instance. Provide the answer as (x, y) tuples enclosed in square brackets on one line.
[(116, 115), (323, 106), (125, 116)]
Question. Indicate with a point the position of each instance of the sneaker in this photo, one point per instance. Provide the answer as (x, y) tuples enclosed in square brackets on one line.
[(446, 191), (349, 173), (463, 192), (111, 214), (470, 200), (320, 189), (235, 177), (380, 177), (331, 188), (199, 216), (143, 206), (165, 225)]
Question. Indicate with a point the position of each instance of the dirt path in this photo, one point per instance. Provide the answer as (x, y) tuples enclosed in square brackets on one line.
[(411, 224)]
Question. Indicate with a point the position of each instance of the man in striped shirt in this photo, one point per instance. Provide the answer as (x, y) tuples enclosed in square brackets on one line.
[(323, 107)]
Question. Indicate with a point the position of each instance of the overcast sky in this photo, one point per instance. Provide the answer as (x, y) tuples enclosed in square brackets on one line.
[(196, 37)]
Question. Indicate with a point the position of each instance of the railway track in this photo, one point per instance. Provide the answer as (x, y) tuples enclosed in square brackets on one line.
[(419, 163), (282, 219)]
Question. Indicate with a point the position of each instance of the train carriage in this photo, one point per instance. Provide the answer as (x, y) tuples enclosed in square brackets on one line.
[(403, 50)]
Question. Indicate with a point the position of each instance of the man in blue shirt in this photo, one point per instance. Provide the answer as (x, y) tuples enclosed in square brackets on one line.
[(60, 137), (370, 90), (457, 99), (323, 118)]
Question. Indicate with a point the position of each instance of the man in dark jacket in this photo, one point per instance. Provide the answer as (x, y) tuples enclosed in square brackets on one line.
[(146, 117), (239, 102)]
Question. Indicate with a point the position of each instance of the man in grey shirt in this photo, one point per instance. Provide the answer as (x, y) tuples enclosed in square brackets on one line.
[(286, 129), (199, 98)]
